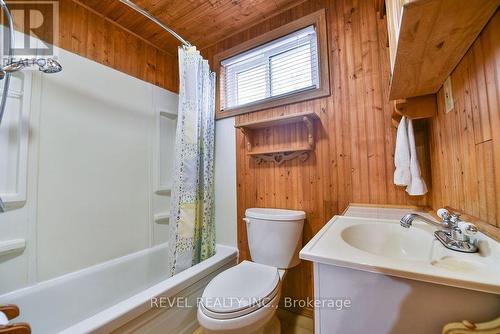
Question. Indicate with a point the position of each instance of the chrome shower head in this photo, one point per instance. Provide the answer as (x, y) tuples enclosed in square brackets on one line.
[(49, 65), (45, 65)]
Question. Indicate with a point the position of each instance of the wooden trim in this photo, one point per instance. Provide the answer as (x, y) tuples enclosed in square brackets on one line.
[(318, 19), (495, 114), (93, 11)]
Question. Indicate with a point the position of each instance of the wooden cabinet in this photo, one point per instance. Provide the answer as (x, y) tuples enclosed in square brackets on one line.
[(427, 39)]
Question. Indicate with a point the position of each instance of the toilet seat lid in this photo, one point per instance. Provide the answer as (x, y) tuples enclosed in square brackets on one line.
[(241, 287), (275, 214)]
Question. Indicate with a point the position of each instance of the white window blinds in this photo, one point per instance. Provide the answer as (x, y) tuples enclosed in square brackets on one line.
[(279, 68)]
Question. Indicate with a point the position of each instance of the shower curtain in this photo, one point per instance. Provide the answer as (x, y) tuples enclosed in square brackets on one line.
[(192, 222)]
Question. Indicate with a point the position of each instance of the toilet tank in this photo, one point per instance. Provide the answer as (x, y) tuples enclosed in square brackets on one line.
[(275, 236)]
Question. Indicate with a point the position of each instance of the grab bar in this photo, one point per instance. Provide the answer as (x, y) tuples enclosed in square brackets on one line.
[(9, 246)]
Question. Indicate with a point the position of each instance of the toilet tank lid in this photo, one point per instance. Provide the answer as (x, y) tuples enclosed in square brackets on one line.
[(275, 214)]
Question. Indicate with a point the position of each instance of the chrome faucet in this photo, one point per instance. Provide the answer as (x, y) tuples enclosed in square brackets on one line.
[(2, 205), (454, 234), (408, 219)]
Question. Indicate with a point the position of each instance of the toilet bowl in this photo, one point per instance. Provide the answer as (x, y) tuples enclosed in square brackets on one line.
[(244, 298)]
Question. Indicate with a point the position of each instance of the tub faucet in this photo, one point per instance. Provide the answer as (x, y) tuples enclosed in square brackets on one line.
[(453, 233), (2, 205)]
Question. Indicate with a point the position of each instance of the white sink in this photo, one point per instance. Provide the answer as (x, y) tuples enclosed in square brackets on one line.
[(383, 246), (390, 240)]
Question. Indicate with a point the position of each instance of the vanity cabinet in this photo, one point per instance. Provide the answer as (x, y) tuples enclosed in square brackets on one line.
[(428, 38), (388, 304)]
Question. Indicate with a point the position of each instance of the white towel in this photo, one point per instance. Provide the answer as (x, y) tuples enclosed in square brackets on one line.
[(402, 175), (417, 185)]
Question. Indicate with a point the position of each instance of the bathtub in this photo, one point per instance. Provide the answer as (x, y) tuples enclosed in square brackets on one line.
[(131, 294)]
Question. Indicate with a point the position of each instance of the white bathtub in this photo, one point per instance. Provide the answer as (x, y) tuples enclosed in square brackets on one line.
[(116, 296)]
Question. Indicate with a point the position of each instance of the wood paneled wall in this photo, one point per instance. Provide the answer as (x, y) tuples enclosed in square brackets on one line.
[(89, 34), (466, 167), (353, 158)]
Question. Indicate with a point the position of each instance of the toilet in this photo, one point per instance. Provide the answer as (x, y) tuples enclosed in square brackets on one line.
[(244, 298)]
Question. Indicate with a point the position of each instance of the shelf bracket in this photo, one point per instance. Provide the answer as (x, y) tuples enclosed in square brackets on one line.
[(310, 131), (248, 140)]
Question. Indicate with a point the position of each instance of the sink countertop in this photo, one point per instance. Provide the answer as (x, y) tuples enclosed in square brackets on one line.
[(383, 246)]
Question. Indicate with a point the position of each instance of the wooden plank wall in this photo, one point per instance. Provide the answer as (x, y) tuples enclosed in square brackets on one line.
[(88, 34), (353, 159), (466, 168)]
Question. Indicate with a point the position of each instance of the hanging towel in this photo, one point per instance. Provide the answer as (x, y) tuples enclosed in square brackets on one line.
[(417, 185), (402, 176)]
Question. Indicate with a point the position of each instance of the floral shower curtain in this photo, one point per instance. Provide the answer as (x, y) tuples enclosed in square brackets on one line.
[(192, 223)]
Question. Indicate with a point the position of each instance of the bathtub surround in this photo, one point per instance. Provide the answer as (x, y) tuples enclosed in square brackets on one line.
[(192, 225), (85, 141), (225, 182)]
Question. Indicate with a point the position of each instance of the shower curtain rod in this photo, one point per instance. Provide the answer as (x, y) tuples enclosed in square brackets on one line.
[(155, 20)]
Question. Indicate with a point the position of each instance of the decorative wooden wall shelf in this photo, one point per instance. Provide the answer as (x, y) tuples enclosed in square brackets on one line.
[(428, 38), (280, 155)]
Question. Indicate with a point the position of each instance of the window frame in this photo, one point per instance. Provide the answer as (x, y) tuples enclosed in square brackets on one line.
[(318, 20)]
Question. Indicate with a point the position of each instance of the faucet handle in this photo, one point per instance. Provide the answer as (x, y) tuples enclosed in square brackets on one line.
[(445, 217), (470, 229), (454, 220), (443, 214)]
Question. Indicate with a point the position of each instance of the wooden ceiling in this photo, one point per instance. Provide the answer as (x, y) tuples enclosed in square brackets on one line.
[(201, 22)]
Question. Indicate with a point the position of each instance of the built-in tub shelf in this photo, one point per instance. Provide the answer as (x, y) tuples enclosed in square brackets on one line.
[(10, 246), (162, 218), (280, 155)]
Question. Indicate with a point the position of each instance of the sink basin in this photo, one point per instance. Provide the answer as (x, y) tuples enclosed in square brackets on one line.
[(383, 246), (390, 240)]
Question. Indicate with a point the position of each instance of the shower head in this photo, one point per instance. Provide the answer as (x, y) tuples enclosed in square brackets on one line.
[(49, 65), (45, 65)]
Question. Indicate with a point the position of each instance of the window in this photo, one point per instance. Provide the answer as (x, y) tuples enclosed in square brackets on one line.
[(281, 67)]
